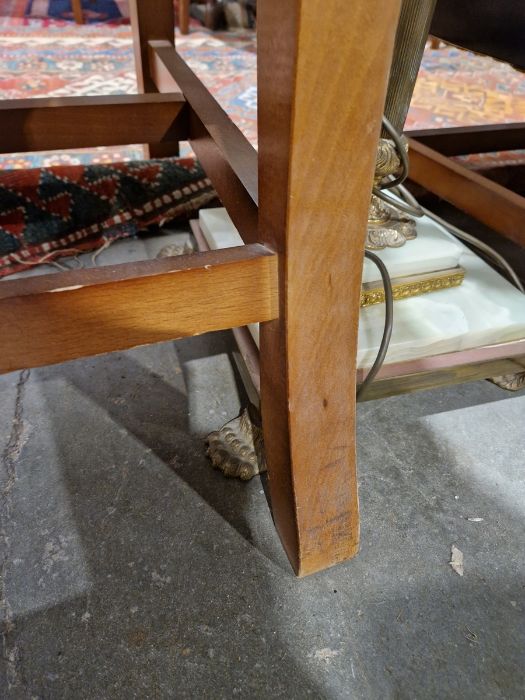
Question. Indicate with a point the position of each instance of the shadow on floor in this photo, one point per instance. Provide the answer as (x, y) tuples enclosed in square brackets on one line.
[(134, 570)]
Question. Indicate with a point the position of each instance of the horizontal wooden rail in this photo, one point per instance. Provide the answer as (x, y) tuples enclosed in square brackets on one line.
[(484, 138), (383, 388), (54, 123), (62, 316), (488, 202), (446, 369), (225, 153), (241, 208)]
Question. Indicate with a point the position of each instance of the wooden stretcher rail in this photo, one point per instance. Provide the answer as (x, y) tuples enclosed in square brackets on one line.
[(488, 202), (484, 138), (226, 155), (64, 316), (42, 124), (382, 388), (170, 72), (446, 369)]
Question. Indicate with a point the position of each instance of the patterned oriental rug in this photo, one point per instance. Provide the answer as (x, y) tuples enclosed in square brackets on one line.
[(55, 58), (46, 57), (46, 213)]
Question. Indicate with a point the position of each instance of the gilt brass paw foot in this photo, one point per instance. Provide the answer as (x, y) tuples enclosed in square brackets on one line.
[(511, 382), (237, 448)]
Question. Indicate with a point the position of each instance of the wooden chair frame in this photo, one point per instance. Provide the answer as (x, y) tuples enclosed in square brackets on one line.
[(301, 206)]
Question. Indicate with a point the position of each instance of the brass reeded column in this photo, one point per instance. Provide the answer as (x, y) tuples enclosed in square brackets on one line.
[(386, 226), (411, 37)]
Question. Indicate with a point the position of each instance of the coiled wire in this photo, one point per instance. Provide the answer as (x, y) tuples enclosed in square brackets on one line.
[(409, 205)]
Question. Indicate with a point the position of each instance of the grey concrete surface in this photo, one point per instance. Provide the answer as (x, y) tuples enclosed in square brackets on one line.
[(130, 569)]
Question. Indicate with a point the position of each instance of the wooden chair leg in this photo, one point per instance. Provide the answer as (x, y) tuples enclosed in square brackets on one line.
[(77, 11), (184, 16), (150, 20), (319, 120)]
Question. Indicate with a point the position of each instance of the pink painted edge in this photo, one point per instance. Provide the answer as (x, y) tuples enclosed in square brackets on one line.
[(449, 360)]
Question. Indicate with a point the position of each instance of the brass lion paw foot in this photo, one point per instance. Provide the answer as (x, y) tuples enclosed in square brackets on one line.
[(511, 382), (237, 448)]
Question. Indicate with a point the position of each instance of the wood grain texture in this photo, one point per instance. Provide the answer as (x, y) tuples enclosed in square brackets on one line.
[(319, 109), (53, 123), (151, 19), (398, 377), (184, 16), (63, 316), (488, 202), (394, 378), (232, 193)]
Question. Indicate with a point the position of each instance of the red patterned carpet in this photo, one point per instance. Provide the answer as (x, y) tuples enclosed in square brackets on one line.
[(46, 57), (43, 57), (64, 210)]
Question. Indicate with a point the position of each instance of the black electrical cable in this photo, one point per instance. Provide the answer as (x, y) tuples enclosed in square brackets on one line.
[(409, 205), (410, 208), (482, 247), (387, 284), (389, 317), (401, 153)]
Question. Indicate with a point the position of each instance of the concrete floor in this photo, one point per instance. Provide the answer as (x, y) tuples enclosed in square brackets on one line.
[(130, 569)]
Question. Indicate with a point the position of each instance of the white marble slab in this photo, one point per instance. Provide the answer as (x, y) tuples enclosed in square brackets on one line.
[(484, 310), (430, 251)]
